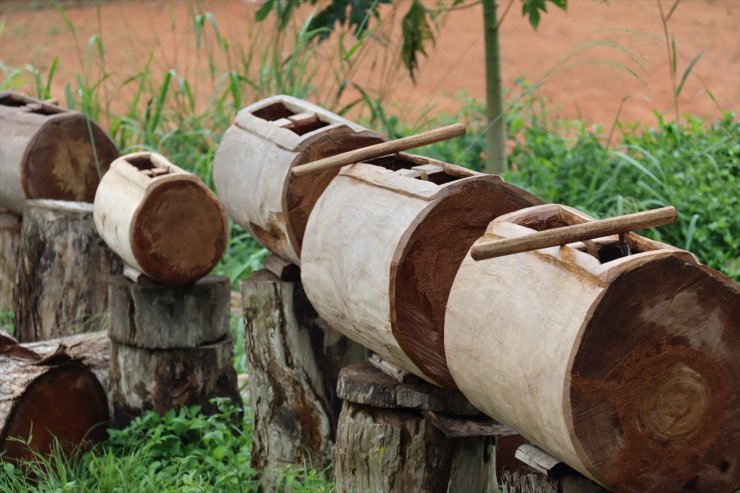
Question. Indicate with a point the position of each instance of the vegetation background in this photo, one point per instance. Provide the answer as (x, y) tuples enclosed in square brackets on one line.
[(611, 109)]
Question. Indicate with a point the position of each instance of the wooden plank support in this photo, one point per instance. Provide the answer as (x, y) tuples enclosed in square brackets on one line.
[(293, 361)]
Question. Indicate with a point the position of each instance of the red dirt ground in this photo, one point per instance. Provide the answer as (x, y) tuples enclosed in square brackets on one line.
[(588, 85)]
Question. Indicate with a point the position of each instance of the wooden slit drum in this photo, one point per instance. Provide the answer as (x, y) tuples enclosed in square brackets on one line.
[(620, 359), (161, 220), (47, 152), (252, 167), (382, 247)]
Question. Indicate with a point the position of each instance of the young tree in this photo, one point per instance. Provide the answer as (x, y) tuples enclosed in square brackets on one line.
[(418, 33)]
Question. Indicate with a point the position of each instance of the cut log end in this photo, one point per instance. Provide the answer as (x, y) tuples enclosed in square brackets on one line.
[(655, 391), (65, 406), (174, 211), (63, 162), (426, 267)]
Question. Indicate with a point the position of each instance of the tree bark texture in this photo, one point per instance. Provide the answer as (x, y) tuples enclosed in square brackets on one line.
[(293, 363), (527, 480), (396, 450), (10, 239), (163, 379), (47, 394), (62, 274), (154, 316)]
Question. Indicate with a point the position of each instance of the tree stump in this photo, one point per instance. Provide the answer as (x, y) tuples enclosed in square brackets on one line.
[(10, 239), (46, 395), (170, 346), (62, 273), (383, 447), (293, 362)]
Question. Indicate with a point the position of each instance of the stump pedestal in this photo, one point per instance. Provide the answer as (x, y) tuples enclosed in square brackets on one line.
[(170, 346), (396, 436), (62, 273), (10, 239), (293, 362)]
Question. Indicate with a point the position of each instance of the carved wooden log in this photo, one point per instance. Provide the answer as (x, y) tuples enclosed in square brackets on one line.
[(382, 247), (47, 152), (163, 379), (10, 239), (384, 444), (154, 316), (252, 166), (170, 346), (63, 270), (620, 359), (47, 395), (161, 220), (293, 365)]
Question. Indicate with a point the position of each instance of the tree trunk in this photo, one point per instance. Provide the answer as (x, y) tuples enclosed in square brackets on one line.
[(47, 152), (63, 270), (47, 396), (389, 450), (496, 130), (153, 316), (293, 365), (163, 379), (10, 239)]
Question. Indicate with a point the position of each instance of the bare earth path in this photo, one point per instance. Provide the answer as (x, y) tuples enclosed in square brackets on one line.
[(589, 84)]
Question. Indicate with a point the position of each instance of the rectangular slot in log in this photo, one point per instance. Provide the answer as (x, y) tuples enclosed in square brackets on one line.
[(273, 112), (284, 117)]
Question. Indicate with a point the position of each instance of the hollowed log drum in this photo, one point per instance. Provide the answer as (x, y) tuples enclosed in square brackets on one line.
[(382, 247), (252, 167), (162, 221), (621, 358), (47, 152)]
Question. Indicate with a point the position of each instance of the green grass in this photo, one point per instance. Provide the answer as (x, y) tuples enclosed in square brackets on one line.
[(183, 451)]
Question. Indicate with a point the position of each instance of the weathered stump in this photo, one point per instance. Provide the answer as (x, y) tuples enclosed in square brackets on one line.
[(391, 437), (47, 394), (10, 239), (293, 362), (170, 346), (62, 273)]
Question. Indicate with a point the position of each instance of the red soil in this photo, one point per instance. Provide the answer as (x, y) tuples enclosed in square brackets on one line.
[(588, 85)]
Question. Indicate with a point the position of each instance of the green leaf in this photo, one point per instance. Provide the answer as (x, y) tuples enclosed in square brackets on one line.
[(531, 10), (688, 71), (416, 34)]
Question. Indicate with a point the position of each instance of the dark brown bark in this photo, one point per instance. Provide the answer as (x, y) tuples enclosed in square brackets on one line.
[(293, 365), (62, 274), (154, 316), (10, 239)]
